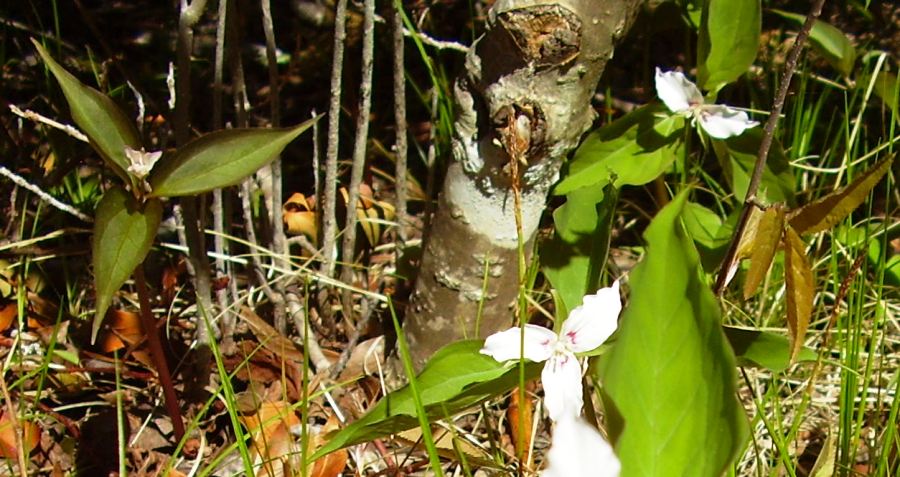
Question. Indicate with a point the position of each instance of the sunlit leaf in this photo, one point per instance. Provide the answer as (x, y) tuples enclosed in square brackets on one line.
[(765, 243), (123, 233), (457, 377), (738, 157), (574, 257), (754, 348), (800, 289), (670, 376), (729, 38), (826, 212), (108, 128), (710, 233), (8, 313), (632, 150), (299, 217), (825, 463), (828, 41), (219, 159)]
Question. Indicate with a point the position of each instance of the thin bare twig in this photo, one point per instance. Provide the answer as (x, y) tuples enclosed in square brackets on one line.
[(401, 146), (359, 145), (329, 202), (33, 116), (766, 144), (21, 182), (279, 241)]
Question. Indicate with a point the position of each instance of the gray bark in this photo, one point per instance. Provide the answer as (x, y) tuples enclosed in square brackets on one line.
[(527, 85)]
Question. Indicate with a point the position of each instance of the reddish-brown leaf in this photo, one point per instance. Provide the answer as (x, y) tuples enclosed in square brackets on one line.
[(30, 436), (824, 213), (765, 243), (799, 283), (519, 415), (8, 312)]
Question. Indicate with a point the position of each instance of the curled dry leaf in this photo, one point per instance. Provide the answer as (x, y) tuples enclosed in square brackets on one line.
[(800, 291), (521, 436), (273, 443), (122, 329), (372, 214), (300, 216), (30, 436)]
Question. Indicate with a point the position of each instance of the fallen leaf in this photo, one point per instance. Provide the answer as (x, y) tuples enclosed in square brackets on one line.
[(30, 436)]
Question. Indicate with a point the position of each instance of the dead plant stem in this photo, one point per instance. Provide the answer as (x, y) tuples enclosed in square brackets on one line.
[(790, 66)]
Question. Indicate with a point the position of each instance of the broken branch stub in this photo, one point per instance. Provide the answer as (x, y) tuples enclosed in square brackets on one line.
[(525, 96)]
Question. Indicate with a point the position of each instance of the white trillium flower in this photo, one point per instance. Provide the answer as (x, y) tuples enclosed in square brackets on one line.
[(587, 327), (141, 161), (578, 450), (682, 96)]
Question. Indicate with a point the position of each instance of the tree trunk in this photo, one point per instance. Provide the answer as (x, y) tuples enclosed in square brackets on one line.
[(525, 96)]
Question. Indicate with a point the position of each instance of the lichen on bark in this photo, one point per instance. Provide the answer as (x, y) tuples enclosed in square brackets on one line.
[(530, 77)]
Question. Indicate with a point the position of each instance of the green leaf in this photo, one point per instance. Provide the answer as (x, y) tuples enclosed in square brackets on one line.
[(573, 259), (219, 159), (457, 377), (738, 157), (670, 377), (799, 288), (123, 234), (828, 41), (887, 88), (729, 38), (827, 211), (107, 127), (631, 150), (710, 233), (765, 243), (754, 348)]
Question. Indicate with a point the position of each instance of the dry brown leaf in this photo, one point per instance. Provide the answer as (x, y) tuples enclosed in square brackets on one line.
[(121, 329), (30, 436), (270, 428), (8, 312), (334, 463), (800, 289), (765, 243), (299, 216)]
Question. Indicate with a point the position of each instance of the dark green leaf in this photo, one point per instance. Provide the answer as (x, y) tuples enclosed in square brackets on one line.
[(765, 243), (219, 159), (123, 233), (826, 212), (799, 287), (729, 38), (670, 376), (108, 128), (738, 157), (754, 348), (633, 150), (456, 378), (573, 259), (887, 88), (828, 41)]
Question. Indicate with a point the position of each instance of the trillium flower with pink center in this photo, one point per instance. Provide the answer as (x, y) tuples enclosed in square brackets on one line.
[(587, 327), (578, 450), (682, 96)]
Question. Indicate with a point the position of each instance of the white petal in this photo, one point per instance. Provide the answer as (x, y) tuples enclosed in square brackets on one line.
[(561, 378), (676, 91), (722, 122), (590, 324), (504, 346), (578, 450)]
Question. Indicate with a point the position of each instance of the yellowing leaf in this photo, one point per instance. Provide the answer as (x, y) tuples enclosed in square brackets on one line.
[(370, 213), (765, 242), (824, 213), (124, 329), (299, 216), (800, 291)]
